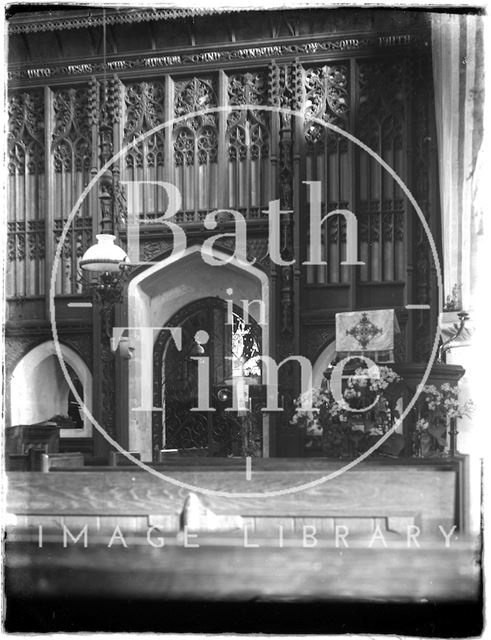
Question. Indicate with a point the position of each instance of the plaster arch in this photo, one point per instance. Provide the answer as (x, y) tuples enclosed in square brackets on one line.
[(155, 295), (38, 388)]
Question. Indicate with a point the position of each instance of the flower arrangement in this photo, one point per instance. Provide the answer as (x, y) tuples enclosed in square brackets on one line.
[(436, 408), (353, 423)]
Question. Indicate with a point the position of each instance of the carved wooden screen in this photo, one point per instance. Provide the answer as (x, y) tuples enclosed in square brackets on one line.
[(229, 159), (217, 160), (248, 144), (71, 156), (372, 106), (382, 126), (327, 97), (195, 146), (144, 110), (26, 195)]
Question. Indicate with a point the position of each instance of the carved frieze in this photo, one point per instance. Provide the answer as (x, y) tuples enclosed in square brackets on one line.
[(318, 46), (154, 248), (119, 17)]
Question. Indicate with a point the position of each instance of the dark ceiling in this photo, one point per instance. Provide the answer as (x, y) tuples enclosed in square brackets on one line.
[(45, 36)]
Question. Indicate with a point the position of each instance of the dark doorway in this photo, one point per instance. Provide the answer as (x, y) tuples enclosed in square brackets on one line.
[(232, 349)]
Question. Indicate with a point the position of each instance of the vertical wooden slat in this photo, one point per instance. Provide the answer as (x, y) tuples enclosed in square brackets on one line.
[(195, 179), (12, 207), (389, 244), (19, 282), (408, 240), (72, 197), (41, 196), (118, 135), (399, 253), (64, 212), (32, 215), (322, 173), (143, 175), (26, 209), (169, 172), (271, 422), (222, 170), (376, 217), (50, 194), (354, 275), (309, 164), (297, 135), (248, 167)]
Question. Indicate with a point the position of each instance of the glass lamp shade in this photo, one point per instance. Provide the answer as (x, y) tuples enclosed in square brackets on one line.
[(104, 256)]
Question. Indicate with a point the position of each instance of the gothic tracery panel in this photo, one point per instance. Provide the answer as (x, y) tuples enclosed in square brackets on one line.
[(382, 126), (248, 139), (328, 100), (72, 153), (144, 110), (26, 208), (195, 146)]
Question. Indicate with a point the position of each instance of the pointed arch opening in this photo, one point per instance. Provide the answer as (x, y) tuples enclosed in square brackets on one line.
[(39, 390), (155, 296)]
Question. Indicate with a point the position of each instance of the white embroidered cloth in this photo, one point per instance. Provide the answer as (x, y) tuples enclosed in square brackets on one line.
[(359, 332)]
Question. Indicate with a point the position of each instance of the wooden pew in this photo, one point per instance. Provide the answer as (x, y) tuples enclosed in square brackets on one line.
[(22, 438), (66, 552), (391, 495), (25, 444)]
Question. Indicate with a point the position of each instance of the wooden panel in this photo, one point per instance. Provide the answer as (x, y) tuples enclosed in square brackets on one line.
[(380, 295), (25, 309), (76, 445), (355, 529), (367, 491), (73, 315), (23, 438), (326, 297)]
